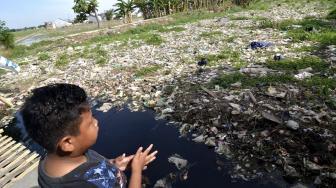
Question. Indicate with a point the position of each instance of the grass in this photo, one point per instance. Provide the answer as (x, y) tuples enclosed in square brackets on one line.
[(98, 53), (231, 39), (170, 29), (102, 61), (311, 29), (324, 38), (43, 56), (239, 18), (320, 86), (66, 30), (62, 61), (315, 63), (153, 39), (332, 14), (307, 49), (225, 54), (259, 5), (147, 70), (283, 25), (226, 80), (23, 51), (2, 72), (210, 34), (138, 33)]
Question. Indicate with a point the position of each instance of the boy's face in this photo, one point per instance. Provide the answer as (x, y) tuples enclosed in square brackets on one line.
[(88, 132)]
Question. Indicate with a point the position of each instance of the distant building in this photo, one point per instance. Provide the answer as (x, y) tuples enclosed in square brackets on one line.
[(103, 16), (58, 23), (92, 19)]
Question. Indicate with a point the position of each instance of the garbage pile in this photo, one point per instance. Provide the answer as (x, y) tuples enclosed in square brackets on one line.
[(265, 129)]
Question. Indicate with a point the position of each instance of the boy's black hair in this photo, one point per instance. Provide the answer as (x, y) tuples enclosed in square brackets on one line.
[(52, 112)]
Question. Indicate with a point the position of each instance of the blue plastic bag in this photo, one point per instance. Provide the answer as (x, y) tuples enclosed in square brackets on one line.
[(255, 45), (9, 65)]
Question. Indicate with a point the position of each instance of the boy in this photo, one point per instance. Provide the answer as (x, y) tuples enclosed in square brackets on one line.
[(59, 118)]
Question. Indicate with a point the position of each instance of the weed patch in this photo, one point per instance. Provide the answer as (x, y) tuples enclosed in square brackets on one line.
[(43, 56), (225, 54), (320, 86), (147, 70), (226, 80), (62, 60), (210, 34), (153, 39), (315, 63), (2, 72), (332, 14), (308, 29), (175, 29)]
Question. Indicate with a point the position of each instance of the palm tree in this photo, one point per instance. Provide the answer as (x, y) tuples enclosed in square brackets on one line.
[(125, 9), (146, 7)]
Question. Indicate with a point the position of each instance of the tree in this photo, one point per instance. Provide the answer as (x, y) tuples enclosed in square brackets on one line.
[(125, 9), (109, 14), (85, 8), (6, 37)]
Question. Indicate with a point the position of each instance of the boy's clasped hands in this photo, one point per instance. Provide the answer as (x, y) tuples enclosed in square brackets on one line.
[(140, 159)]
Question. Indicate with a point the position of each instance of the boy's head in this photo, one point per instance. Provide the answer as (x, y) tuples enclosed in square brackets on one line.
[(58, 117)]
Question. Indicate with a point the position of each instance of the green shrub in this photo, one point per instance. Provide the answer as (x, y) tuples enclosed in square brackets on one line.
[(109, 14), (6, 37), (332, 14), (62, 60), (210, 34), (2, 71), (226, 80), (315, 63), (147, 70), (101, 61), (43, 56), (242, 2), (154, 39)]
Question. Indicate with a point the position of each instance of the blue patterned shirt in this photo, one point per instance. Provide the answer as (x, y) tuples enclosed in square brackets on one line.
[(96, 172)]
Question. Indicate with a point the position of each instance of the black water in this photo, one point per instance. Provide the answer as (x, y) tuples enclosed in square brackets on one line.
[(124, 131)]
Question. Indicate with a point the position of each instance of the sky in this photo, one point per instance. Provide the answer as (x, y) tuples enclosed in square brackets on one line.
[(27, 13)]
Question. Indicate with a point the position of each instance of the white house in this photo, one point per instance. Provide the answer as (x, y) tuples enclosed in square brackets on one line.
[(92, 19), (58, 23)]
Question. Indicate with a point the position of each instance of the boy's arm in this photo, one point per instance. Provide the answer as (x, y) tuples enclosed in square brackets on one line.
[(140, 160), (135, 181)]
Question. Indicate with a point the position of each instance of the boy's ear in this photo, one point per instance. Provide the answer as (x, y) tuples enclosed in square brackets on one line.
[(66, 144)]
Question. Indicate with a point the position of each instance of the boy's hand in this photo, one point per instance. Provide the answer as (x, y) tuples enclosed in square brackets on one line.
[(122, 161), (141, 159)]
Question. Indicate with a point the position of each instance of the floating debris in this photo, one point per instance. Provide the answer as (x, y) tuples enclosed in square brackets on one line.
[(178, 161)]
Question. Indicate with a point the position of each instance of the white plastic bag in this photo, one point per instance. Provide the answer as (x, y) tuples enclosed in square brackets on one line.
[(9, 65)]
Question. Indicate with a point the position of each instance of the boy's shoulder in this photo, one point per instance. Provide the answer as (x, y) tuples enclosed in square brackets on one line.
[(97, 171)]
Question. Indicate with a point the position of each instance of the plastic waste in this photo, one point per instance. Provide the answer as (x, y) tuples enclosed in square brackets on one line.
[(278, 57), (9, 65), (260, 44), (178, 161), (203, 62), (303, 75)]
